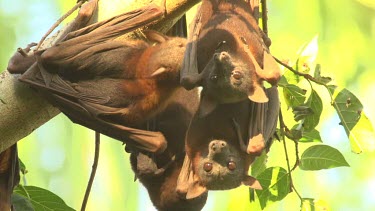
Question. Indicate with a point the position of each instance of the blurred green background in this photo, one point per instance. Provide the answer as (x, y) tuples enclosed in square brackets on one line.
[(59, 154)]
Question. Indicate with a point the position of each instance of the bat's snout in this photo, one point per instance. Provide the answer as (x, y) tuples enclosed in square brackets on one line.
[(217, 146)]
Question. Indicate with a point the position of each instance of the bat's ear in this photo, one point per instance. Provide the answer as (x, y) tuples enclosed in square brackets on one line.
[(271, 70), (188, 186), (251, 182), (195, 190), (258, 95), (155, 36), (206, 106), (159, 71)]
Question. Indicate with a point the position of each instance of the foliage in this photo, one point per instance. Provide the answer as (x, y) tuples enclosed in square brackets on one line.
[(39, 198), (340, 59), (276, 181)]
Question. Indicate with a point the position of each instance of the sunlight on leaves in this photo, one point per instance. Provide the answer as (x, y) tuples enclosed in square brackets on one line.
[(276, 185), (307, 55), (42, 199), (319, 157), (309, 204), (357, 126)]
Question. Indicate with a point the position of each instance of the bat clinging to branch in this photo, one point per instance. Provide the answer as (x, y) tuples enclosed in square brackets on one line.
[(109, 85), (225, 36)]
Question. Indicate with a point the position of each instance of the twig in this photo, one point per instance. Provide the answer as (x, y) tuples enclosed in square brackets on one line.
[(61, 19), (282, 132), (297, 155), (93, 171), (305, 75), (264, 16)]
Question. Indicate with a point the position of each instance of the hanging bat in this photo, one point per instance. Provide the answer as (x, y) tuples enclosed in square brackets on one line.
[(227, 56), (225, 35), (159, 173), (24, 58), (218, 158), (110, 85)]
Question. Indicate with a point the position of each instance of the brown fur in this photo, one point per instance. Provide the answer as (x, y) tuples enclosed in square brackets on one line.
[(227, 56)]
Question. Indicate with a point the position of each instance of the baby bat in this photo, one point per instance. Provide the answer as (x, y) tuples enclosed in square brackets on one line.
[(110, 85), (225, 35), (217, 155)]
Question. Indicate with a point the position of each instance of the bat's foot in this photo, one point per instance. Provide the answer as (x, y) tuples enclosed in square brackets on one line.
[(146, 165), (256, 145)]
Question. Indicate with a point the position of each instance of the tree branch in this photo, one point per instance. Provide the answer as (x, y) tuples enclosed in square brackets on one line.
[(22, 110)]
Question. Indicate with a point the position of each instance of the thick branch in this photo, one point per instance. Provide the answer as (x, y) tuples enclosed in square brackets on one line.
[(22, 110)]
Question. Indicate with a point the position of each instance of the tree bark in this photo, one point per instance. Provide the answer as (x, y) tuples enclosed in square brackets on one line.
[(22, 110)]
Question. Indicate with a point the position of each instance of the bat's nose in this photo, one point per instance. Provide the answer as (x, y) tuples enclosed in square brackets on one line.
[(217, 145), (222, 57)]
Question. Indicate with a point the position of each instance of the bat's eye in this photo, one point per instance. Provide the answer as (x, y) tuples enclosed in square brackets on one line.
[(207, 167), (214, 78), (231, 165), (220, 44)]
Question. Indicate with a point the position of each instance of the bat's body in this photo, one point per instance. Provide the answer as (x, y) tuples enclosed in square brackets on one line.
[(112, 86), (227, 56), (159, 173)]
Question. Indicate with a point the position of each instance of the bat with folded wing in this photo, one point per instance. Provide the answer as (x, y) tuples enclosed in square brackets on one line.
[(226, 54), (112, 85)]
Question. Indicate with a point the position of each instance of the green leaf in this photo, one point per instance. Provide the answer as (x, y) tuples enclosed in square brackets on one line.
[(309, 204), (259, 165), (357, 126), (316, 105), (20, 202), (41, 199), (276, 185), (317, 75), (331, 89), (22, 167), (319, 157), (294, 96), (301, 112), (311, 136)]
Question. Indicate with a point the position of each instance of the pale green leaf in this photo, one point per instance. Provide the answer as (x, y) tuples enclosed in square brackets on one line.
[(357, 126), (309, 204), (319, 157)]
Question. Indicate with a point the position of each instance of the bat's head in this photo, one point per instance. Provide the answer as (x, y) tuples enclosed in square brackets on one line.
[(227, 79), (220, 166), (166, 57)]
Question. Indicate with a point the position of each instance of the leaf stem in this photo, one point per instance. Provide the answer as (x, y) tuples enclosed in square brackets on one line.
[(93, 171)]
